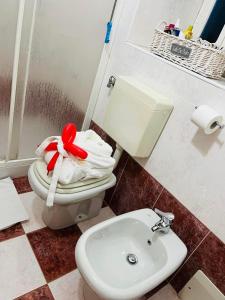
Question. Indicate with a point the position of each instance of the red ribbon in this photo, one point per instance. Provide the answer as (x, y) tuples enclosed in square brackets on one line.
[(68, 136)]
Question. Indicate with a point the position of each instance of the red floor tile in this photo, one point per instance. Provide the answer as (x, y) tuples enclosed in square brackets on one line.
[(42, 293), (11, 232), (22, 185), (55, 250)]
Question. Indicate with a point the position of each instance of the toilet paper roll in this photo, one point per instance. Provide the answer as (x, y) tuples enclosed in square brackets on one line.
[(207, 118)]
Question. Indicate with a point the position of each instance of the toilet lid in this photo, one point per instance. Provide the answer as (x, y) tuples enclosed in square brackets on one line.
[(44, 179)]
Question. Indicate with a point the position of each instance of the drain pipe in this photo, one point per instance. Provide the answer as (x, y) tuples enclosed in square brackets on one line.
[(117, 154)]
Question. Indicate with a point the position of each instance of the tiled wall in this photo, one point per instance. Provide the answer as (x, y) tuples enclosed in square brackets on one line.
[(186, 161), (136, 189)]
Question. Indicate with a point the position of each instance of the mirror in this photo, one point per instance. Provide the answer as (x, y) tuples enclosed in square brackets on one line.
[(214, 27)]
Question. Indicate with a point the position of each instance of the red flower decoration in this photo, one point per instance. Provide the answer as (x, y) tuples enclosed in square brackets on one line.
[(68, 136)]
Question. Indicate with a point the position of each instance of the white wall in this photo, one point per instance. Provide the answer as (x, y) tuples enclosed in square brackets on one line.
[(188, 163), (151, 13)]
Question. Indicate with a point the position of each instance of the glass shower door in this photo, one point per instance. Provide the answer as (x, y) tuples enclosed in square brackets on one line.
[(67, 41)]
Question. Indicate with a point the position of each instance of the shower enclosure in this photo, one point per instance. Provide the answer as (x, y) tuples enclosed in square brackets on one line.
[(49, 55)]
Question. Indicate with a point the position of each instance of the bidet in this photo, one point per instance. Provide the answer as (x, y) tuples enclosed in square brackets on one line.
[(121, 259)]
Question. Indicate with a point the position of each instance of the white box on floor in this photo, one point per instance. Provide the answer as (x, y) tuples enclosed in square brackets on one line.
[(11, 208)]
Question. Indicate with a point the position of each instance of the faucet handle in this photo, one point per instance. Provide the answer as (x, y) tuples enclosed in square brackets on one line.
[(170, 216)]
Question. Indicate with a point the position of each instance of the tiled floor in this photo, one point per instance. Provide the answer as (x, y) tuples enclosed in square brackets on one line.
[(166, 293), (40, 262)]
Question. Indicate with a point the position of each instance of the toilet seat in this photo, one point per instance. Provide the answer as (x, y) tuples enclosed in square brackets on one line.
[(68, 194), (41, 172), (75, 187)]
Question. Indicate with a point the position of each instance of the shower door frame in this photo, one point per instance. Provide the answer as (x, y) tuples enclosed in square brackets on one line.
[(12, 166)]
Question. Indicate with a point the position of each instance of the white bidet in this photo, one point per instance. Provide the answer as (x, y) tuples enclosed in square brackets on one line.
[(122, 258)]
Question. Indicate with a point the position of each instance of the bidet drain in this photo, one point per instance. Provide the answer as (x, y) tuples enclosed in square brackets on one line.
[(132, 258)]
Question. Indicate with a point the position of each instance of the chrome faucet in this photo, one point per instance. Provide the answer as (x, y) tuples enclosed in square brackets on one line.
[(163, 225)]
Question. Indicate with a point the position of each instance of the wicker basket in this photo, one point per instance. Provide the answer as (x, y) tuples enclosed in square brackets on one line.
[(204, 60)]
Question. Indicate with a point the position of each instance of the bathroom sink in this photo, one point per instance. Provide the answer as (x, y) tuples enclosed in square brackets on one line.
[(122, 258)]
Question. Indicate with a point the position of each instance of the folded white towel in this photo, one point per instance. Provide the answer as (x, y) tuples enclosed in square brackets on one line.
[(99, 162)]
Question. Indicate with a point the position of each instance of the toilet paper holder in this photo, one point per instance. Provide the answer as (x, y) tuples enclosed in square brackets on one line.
[(215, 124)]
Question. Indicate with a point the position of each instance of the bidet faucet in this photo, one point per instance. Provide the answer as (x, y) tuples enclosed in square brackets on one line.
[(163, 225)]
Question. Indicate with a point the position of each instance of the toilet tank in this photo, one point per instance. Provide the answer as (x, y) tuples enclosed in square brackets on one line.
[(135, 116)]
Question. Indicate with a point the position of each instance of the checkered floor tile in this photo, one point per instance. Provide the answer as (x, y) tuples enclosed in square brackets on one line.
[(39, 263)]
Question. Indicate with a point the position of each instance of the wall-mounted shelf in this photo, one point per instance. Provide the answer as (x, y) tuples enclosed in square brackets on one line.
[(217, 83)]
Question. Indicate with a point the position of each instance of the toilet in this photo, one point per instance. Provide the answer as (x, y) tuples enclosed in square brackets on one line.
[(135, 118), (74, 202)]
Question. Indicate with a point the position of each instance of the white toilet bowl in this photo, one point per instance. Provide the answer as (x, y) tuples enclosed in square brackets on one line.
[(72, 203)]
